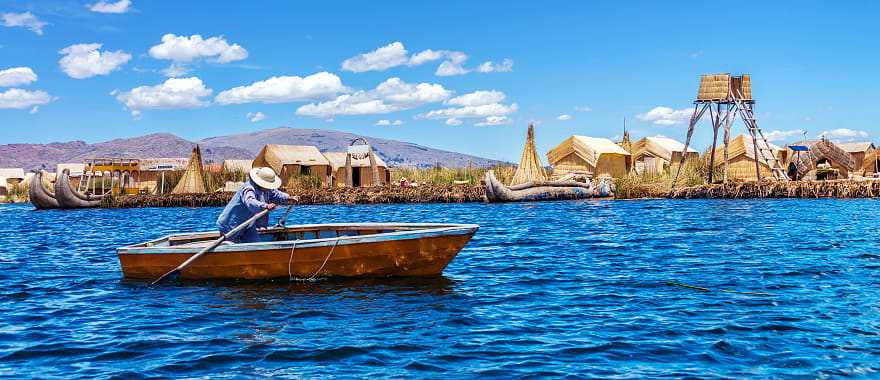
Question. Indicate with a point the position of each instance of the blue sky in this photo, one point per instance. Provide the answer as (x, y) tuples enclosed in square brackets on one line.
[(813, 64)]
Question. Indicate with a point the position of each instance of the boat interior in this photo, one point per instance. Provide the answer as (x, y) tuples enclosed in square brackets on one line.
[(305, 232)]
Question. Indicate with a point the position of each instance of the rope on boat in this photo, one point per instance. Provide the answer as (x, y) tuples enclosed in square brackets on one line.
[(290, 261), (325, 260), (702, 289)]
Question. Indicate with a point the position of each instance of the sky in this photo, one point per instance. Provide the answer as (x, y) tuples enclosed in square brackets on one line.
[(466, 76)]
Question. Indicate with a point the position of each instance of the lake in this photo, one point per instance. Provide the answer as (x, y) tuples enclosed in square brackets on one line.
[(765, 288)]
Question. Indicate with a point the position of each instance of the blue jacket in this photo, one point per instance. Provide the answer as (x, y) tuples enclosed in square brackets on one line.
[(247, 201)]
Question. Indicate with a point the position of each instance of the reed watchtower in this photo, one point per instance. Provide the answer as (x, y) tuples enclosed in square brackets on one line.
[(725, 96)]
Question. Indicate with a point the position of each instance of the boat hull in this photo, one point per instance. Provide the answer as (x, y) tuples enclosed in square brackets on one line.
[(496, 192), (68, 197), (419, 253), (40, 197)]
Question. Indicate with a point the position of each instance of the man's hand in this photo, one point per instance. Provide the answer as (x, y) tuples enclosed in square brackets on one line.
[(271, 206), (293, 199)]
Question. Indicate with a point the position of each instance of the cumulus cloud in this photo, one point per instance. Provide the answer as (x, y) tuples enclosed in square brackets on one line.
[(85, 60), (493, 120), (777, 135), (285, 89), (844, 134), (19, 99), (666, 116), (477, 98), (454, 122), (471, 112), (23, 20), (256, 116), (384, 122), (563, 117), (427, 55), (383, 58), (173, 93), (389, 96), (104, 6), (505, 66), (182, 50), (453, 65), (17, 76)]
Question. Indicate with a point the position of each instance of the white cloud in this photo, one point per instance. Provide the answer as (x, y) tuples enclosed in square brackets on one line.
[(666, 116), (176, 70), (505, 66), (173, 93), (389, 96), (493, 120), (24, 20), (384, 122), (104, 6), (85, 60), (18, 98), (453, 65), (477, 98), (563, 117), (582, 108), (777, 135), (472, 112), (844, 134), (17, 76), (256, 116), (383, 58), (427, 55), (285, 89), (182, 49), (454, 122)]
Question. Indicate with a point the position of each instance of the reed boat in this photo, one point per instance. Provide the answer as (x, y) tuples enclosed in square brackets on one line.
[(534, 191), (68, 197), (305, 251), (39, 196)]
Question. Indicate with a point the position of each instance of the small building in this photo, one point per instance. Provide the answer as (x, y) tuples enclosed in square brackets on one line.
[(858, 151), (741, 159), (238, 166), (657, 154), (9, 179), (361, 172), (290, 161), (599, 156), (822, 159)]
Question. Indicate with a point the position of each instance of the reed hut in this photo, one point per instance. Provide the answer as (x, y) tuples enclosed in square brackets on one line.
[(290, 161), (858, 151), (741, 159), (656, 154), (193, 179), (595, 155), (822, 160), (871, 164), (361, 170), (238, 166), (9, 179), (530, 168)]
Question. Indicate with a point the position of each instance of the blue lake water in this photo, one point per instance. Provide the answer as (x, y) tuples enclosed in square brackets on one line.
[(543, 290)]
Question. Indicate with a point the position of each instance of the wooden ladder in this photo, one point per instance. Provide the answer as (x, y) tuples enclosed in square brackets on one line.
[(764, 152)]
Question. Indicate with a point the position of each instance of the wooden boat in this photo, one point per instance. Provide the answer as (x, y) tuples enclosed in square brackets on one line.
[(68, 197), (40, 197), (305, 251), (537, 191)]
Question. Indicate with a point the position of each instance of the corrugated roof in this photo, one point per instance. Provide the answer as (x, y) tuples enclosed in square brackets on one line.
[(337, 160), (602, 145), (669, 144), (588, 149), (292, 155)]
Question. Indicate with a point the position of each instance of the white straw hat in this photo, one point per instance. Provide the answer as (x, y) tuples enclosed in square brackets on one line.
[(265, 178)]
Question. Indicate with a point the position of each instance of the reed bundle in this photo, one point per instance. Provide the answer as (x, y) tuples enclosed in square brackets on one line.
[(771, 189)]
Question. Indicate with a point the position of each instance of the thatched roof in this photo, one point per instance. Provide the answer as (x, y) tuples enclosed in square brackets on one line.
[(818, 150), (742, 145), (530, 168), (276, 156), (857, 147), (659, 146), (12, 173), (193, 180), (243, 166), (337, 160), (587, 148)]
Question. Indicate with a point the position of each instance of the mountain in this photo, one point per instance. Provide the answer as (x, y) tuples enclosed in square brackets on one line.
[(395, 153), (216, 149)]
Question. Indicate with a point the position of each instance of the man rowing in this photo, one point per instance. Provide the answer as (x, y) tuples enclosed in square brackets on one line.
[(258, 193)]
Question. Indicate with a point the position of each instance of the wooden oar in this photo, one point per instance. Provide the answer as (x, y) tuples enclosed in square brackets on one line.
[(213, 245), (283, 221)]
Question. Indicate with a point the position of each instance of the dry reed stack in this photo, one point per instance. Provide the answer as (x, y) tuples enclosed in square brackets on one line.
[(530, 168), (193, 180), (778, 189)]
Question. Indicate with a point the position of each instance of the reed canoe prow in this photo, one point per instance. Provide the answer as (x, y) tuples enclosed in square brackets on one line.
[(308, 251), (40, 197), (68, 197)]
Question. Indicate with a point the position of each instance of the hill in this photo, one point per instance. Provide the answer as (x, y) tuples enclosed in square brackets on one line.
[(216, 149)]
